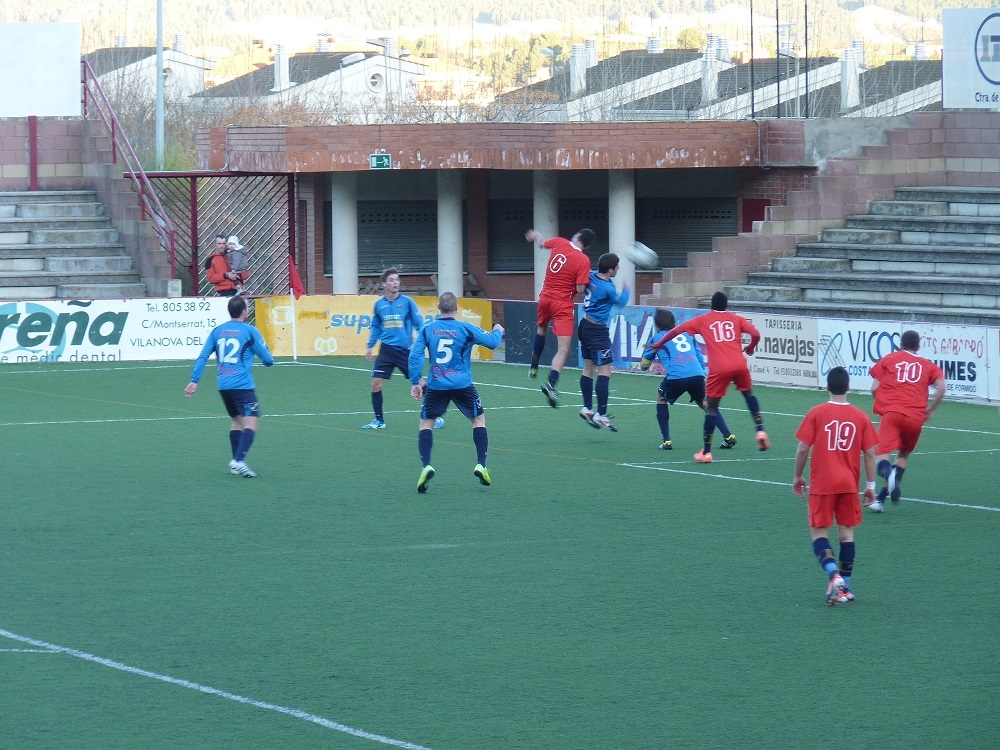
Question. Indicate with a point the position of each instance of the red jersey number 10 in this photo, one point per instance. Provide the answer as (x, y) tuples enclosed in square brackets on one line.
[(908, 372)]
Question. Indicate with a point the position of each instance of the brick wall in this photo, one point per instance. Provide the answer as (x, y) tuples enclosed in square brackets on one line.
[(59, 154)]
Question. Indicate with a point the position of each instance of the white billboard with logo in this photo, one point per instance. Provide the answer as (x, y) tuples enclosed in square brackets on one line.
[(962, 352), (856, 345), (52, 331), (971, 58), (786, 354)]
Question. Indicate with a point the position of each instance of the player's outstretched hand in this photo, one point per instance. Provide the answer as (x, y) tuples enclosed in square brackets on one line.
[(645, 364), (749, 350), (189, 389), (532, 235), (799, 487), (498, 327), (869, 496), (417, 392), (369, 353)]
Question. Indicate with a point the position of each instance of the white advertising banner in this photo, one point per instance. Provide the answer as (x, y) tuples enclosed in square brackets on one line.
[(786, 354), (962, 352), (971, 58), (993, 363), (856, 345), (107, 330)]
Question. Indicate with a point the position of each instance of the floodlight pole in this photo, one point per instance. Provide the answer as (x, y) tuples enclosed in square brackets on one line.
[(753, 82), (159, 85)]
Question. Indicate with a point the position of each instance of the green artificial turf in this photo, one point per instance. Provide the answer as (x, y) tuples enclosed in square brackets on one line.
[(600, 594)]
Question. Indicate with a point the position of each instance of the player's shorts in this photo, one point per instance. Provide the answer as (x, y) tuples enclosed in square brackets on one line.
[(718, 382), (465, 399), (560, 312), (595, 341), (241, 402), (845, 507), (671, 390), (897, 432), (389, 358)]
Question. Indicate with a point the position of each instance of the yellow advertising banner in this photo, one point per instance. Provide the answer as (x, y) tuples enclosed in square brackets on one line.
[(328, 325)]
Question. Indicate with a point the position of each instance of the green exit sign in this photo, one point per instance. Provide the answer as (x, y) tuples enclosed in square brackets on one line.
[(380, 161)]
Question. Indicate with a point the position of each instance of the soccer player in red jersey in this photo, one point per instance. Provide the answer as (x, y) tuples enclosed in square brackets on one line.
[(900, 384), (837, 434), (566, 275), (723, 334)]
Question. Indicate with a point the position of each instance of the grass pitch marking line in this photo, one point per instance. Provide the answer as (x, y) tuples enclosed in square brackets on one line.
[(789, 484), (27, 651), (294, 712)]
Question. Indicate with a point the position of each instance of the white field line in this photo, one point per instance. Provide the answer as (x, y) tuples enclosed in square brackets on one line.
[(620, 401), (294, 712), (655, 467)]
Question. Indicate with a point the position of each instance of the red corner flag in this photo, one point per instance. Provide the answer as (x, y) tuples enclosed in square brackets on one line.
[(293, 278)]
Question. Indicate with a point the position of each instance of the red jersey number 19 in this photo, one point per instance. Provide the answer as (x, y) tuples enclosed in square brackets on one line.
[(840, 435)]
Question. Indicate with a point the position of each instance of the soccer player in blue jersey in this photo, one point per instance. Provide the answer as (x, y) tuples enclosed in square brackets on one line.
[(449, 342), (595, 339), (683, 372), (234, 344), (395, 319)]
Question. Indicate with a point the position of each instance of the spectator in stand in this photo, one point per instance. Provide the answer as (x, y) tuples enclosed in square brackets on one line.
[(219, 272)]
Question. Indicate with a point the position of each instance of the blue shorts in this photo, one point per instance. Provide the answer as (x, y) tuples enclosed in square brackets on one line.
[(390, 357), (672, 390), (240, 402), (595, 341), (466, 399)]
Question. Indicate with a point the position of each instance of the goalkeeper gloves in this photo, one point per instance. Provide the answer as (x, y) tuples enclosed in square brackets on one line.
[(645, 364)]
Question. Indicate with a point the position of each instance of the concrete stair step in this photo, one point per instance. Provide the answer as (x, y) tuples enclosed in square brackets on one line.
[(89, 264), (908, 208), (869, 236), (21, 264), (973, 225), (48, 278), (763, 292), (56, 210), (949, 194), (27, 250), (98, 290), (21, 197), (806, 264), (64, 236), (27, 292), (874, 283), (36, 224), (901, 252), (855, 311)]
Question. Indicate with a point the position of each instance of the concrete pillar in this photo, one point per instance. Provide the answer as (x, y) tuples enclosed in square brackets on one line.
[(342, 190), (621, 223), (545, 220), (449, 214)]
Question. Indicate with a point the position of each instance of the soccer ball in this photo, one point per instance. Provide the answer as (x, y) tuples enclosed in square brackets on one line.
[(439, 423), (642, 255)]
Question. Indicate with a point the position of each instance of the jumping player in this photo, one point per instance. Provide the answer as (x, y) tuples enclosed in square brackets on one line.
[(683, 372), (566, 274), (900, 384), (449, 342), (395, 319), (723, 332), (838, 434)]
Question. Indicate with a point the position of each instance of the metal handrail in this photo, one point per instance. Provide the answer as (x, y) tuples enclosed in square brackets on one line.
[(149, 202)]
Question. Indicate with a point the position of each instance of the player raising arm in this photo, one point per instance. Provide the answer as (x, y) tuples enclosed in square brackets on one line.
[(723, 334), (449, 342)]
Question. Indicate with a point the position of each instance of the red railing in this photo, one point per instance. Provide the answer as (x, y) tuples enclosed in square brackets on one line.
[(95, 101)]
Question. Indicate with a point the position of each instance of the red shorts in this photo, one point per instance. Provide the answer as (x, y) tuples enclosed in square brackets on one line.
[(898, 432), (718, 382), (846, 507), (560, 312)]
